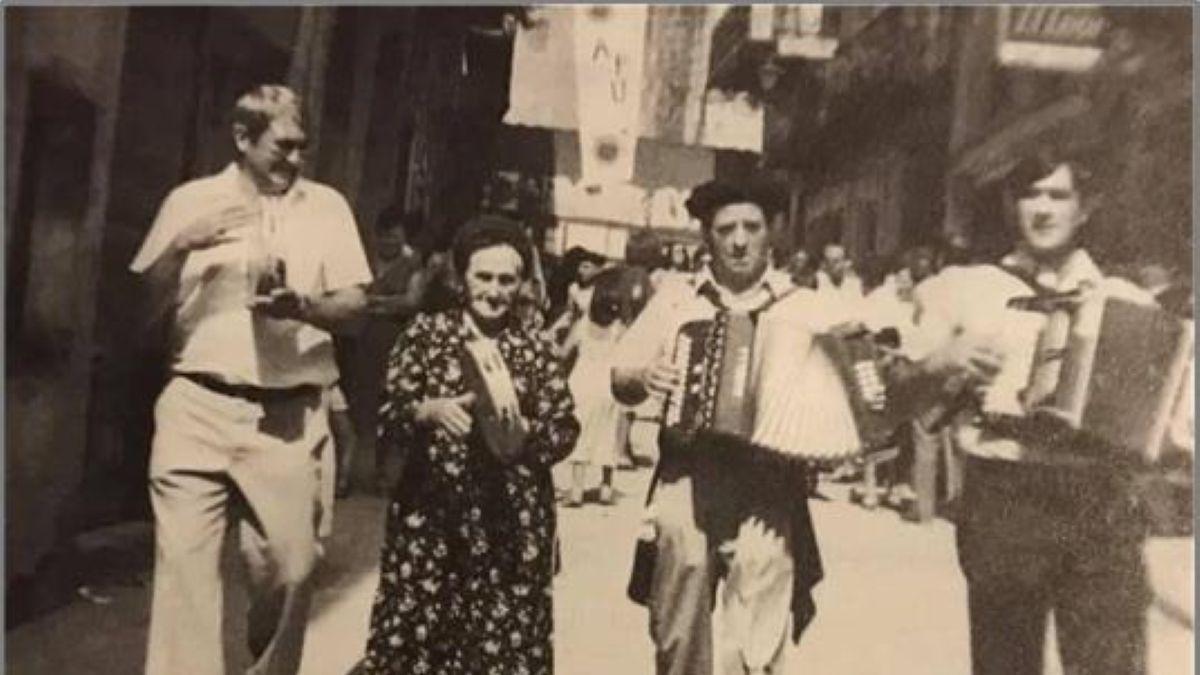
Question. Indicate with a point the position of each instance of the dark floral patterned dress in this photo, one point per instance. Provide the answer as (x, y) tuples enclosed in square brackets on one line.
[(468, 556)]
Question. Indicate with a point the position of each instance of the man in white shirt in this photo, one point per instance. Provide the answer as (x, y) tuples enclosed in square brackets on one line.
[(722, 508), (254, 267), (1045, 529), (836, 276)]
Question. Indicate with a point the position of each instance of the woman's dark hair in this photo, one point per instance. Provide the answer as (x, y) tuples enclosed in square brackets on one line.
[(487, 231), (607, 296)]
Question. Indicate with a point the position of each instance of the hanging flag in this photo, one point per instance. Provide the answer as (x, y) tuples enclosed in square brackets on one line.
[(609, 52), (675, 74), (542, 90)]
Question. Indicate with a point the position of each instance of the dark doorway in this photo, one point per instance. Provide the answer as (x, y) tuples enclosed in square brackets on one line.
[(52, 200)]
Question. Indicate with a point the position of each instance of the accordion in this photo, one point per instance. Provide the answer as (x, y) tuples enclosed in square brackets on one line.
[(497, 410), (767, 382), (858, 360), (715, 393), (1111, 369)]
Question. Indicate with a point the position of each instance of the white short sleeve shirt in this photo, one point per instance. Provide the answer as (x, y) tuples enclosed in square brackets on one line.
[(311, 228)]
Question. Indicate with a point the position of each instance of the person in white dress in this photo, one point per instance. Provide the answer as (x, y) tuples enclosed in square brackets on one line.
[(604, 426)]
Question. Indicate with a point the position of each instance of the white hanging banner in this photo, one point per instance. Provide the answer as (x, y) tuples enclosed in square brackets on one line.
[(542, 89), (733, 121), (610, 45)]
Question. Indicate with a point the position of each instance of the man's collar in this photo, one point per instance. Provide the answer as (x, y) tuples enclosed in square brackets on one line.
[(1078, 267), (233, 177), (772, 280)]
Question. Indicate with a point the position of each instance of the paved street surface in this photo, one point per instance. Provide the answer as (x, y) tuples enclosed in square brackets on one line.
[(892, 601)]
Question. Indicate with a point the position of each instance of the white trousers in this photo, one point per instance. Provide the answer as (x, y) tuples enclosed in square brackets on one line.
[(217, 461)]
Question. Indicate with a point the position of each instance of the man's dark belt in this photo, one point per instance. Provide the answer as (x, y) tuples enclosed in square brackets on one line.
[(261, 395)]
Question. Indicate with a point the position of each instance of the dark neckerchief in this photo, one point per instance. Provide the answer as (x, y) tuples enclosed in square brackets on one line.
[(708, 290)]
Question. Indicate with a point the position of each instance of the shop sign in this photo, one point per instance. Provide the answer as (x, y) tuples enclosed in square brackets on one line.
[(1050, 37)]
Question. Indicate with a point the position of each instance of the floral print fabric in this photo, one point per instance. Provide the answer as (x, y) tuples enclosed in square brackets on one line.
[(467, 563)]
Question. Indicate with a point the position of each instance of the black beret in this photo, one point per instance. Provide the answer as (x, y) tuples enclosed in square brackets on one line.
[(706, 199)]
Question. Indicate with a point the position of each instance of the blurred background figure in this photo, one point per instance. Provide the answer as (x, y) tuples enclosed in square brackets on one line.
[(644, 251), (604, 426), (574, 281), (921, 263), (891, 307), (443, 287), (345, 444), (955, 250), (1164, 285), (533, 301), (679, 259), (802, 269), (392, 299), (836, 275), (645, 272)]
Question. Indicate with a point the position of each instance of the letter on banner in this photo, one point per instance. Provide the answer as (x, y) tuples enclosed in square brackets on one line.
[(609, 52)]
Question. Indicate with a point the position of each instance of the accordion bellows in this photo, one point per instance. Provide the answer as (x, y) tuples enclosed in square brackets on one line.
[(802, 408)]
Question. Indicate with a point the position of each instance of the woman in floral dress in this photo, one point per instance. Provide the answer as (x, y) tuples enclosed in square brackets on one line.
[(465, 580)]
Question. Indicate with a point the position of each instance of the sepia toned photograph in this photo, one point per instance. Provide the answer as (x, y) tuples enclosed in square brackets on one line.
[(586, 339)]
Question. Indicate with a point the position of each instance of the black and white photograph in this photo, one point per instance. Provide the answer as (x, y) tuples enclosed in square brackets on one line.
[(599, 339)]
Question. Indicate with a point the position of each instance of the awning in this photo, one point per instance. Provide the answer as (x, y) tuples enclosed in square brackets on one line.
[(1056, 124)]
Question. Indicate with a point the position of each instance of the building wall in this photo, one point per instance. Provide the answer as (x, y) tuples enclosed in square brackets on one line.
[(68, 71)]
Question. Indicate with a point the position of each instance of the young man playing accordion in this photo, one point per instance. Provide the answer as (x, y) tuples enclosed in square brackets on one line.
[(1050, 520), (729, 506)]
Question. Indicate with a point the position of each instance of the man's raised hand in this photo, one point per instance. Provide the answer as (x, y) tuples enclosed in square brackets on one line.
[(215, 229)]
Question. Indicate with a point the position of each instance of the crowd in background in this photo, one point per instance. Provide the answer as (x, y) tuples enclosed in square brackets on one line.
[(584, 300)]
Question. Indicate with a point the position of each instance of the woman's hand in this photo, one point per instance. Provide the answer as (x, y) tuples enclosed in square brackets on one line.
[(451, 414)]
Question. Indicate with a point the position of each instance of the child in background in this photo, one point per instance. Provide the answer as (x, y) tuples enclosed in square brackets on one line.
[(604, 426)]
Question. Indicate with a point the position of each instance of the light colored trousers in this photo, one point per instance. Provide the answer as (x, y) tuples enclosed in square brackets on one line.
[(219, 460), (711, 529)]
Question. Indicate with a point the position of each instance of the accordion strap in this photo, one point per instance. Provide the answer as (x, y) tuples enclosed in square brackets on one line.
[(653, 482)]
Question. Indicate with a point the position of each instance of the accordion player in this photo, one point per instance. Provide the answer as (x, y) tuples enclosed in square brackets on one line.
[(1110, 369), (773, 379), (497, 410)]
